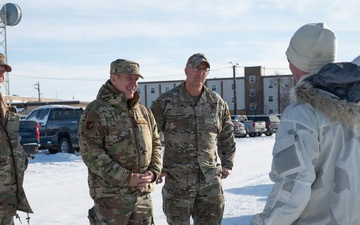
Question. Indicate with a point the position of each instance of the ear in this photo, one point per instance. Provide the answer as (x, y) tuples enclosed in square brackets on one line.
[(186, 70), (113, 77)]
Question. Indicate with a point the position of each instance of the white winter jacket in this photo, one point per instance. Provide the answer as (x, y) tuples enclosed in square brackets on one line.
[(316, 156)]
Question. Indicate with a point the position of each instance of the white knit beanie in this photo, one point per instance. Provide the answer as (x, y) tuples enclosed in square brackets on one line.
[(312, 46)]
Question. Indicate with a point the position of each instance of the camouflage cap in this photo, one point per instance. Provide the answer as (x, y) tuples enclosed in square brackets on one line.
[(125, 66), (3, 63), (196, 59)]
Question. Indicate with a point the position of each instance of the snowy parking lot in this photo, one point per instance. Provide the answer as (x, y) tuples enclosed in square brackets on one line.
[(56, 186)]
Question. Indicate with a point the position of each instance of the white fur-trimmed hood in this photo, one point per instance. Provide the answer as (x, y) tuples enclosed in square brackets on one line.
[(335, 91)]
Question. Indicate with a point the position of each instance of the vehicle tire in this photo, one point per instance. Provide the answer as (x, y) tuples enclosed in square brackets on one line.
[(64, 146), (268, 134)]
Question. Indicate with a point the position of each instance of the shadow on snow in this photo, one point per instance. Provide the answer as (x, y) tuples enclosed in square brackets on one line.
[(258, 190)]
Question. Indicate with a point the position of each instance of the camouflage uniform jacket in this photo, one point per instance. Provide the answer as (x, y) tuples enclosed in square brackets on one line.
[(13, 162), (116, 141), (193, 133)]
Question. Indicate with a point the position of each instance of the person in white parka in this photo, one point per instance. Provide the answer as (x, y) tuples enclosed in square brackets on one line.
[(316, 155)]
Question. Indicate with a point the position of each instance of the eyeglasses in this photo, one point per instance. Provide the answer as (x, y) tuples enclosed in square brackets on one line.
[(197, 69)]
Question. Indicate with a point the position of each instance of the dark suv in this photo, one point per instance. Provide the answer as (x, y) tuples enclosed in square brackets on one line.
[(272, 122)]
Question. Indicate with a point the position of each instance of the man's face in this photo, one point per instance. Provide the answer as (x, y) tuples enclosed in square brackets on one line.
[(2, 75), (297, 73), (197, 76), (126, 83)]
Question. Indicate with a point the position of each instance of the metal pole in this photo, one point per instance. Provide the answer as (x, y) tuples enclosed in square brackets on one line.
[(235, 101), (7, 79), (7, 74), (37, 87), (234, 86), (279, 94), (39, 91)]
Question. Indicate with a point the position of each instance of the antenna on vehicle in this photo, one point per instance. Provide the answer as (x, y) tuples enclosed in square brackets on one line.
[(10, 15)]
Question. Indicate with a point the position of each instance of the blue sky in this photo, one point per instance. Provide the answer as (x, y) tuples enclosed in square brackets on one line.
[(67, 46)]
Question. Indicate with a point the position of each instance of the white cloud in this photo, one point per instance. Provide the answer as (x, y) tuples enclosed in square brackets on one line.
[(80, 38)]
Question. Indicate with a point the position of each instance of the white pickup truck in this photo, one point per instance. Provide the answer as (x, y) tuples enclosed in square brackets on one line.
[(253, 128)]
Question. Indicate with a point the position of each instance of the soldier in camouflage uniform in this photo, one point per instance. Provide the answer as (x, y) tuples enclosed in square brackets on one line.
[(13, 160), (121, 147), (196, 123)]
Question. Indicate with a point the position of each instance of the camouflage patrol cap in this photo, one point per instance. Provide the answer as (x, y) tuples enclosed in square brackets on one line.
[(125, 66), (196, 59), (3, 63)]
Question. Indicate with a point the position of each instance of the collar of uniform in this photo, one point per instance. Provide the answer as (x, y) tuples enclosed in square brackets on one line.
[(185, 96)]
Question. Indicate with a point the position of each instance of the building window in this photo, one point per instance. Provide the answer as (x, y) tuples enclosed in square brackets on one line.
[(152, 90), (271, 84), (253, 105), (252, 92), (271, 111), (138, 90), (271, 98), (252, 79), (213, 87), (232, 86), (167, 88), (232, 100)]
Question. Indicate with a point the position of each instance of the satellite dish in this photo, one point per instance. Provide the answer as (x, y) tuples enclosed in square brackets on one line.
[(11, 13)]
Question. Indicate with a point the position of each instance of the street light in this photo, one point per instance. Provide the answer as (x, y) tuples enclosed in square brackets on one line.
[(234, 86)]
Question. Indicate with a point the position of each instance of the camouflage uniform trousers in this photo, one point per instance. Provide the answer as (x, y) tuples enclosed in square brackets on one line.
[(127, 209), (203, 201), (6, 219)]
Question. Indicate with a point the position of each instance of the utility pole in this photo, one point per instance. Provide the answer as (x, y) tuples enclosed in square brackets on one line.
[(234, 86), (3, 43), (37, 87), (279, 94)]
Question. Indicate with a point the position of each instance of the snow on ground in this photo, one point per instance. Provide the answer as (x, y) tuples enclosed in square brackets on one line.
[(56, 186)]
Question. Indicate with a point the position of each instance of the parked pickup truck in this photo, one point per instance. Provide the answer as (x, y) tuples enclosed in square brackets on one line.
[(252, 128), (29, 136), (272, 122), (57, 125), (239, 128)]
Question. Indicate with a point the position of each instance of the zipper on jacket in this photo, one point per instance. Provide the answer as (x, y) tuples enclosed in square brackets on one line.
[(135, 126)]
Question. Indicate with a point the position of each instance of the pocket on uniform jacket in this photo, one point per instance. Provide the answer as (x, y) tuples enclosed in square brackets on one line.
[(211, 171), (145, 133), (118, 131), (4, 152), (212, 122)]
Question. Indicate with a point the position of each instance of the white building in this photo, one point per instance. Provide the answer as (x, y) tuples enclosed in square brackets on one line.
[(255, 93)]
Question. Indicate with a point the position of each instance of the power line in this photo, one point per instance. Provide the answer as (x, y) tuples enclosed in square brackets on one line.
[(52, 78)]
